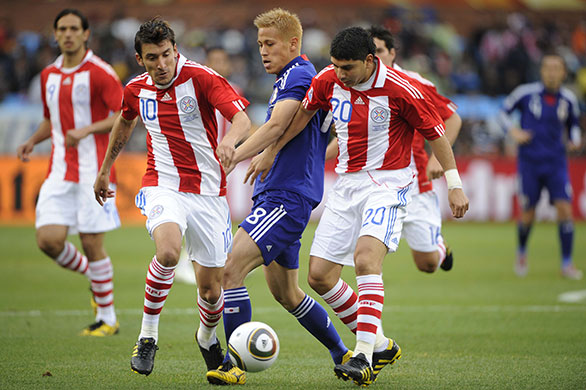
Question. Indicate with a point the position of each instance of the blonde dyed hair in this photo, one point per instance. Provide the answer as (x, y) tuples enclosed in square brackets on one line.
[(287, 24)]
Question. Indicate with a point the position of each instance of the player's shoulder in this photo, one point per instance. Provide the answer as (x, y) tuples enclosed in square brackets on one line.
[(196, 69), (569, 95), (399, 84), (326, 74), (525, 90), (138, 81), (101, 67)]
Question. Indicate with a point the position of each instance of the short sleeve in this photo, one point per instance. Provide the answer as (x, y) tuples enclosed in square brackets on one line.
[(220, 94), (129, 104), (315, 98)]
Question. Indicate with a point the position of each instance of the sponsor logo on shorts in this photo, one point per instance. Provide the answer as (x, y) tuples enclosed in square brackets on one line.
[(187, 104), (156, 211)]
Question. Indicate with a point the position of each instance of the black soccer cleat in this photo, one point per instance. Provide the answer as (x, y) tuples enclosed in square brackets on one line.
[(388, 356), (143, 356), (214, 356), (448, 262), (357, 369)]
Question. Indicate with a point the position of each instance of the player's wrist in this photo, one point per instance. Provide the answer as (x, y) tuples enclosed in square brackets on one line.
[(453, 179)]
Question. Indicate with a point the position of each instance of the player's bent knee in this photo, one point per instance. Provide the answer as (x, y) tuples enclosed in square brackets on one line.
[(318, 283), (427, 267), (168, 256), (50, 246)]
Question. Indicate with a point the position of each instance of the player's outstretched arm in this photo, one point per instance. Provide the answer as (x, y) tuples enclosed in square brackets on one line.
[(239, 129), (264, 162), (43, 132), (121, 132), (73, 136), (453, 126), (443, 151), (270, 131)]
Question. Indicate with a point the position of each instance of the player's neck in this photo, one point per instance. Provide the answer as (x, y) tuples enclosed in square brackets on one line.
[(71, 60)]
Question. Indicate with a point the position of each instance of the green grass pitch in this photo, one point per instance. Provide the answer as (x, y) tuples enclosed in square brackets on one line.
[(475, 327)]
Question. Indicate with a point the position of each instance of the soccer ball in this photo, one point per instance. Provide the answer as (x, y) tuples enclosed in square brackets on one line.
[(253, 346)]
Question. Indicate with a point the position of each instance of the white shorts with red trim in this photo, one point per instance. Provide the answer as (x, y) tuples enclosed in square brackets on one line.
[(74, 205), (204, 221), (362, 204)]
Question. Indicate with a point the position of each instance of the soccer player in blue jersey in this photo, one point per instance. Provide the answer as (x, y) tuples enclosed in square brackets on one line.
[(548, 112), (283, 202)]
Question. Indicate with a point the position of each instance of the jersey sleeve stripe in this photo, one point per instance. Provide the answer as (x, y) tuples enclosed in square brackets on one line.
[(405, 85)]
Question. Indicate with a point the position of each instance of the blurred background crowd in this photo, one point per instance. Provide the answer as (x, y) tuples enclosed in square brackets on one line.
[(475, 51)]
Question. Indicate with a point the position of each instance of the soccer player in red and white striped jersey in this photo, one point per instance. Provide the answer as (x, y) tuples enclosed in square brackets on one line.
[(81, 97), (184, 187), (376, 111)]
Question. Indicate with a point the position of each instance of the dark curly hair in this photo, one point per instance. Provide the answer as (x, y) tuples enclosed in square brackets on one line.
[(352, 43), (154, 31)]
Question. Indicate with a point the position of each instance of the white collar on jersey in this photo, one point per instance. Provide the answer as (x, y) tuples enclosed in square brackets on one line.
[(59, 62), (377, 79), (181, 60)]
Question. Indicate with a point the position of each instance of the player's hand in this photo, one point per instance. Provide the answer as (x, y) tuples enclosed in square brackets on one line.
[(458, 202), (521, 136), (261, 163), (23, 151), (572, 147), (225, 153), (73, 136), (102, 189), (434, 168)]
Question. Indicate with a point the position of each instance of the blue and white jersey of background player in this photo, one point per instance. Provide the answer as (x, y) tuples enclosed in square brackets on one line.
[(547, 116), (299, 166)]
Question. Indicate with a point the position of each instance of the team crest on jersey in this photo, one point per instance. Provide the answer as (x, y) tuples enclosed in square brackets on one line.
[(156, 211), (379, 115), (187, 104)]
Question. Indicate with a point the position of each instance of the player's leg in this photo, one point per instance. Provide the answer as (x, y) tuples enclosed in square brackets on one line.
[(102, 286), (245, 257), (560, 193), (56, 211), (529, 192), (166, 224), (381, 221), (283, 283), (93, 221)]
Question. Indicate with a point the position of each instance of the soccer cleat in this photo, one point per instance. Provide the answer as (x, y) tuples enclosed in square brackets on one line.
[(388, 356), (571, 272), (347, 357), (101, 329), (521, 265), (357, 369), (143, 356), (214, 356), (226, 374), (448, 262)]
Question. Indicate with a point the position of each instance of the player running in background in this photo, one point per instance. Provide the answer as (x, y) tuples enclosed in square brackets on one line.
[(271, 233), (376, 110), (549, 118), (183, 189), (81, 97)]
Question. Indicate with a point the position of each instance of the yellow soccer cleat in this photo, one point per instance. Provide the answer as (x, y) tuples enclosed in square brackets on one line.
[(101, 329), (358, 369), (388, 356), (226, 374)]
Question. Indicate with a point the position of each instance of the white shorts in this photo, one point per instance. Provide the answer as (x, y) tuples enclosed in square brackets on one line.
[(362, 204), (74, 204), (423, 226), (204, 221)]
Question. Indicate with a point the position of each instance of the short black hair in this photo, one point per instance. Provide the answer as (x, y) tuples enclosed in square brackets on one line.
[(72, 11), (154, 31), (384, 35), (352, 43)]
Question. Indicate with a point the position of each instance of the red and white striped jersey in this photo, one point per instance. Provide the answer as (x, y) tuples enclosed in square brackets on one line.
[(374, 121), (74, 98), (181, 123), (445, 108)]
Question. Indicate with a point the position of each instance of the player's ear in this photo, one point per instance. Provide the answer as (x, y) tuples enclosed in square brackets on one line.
[(139, 59), (294, 44), (369, 59)]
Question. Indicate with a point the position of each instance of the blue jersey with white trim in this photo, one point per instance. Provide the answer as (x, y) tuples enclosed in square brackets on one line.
[(299, 166), (547, 116)]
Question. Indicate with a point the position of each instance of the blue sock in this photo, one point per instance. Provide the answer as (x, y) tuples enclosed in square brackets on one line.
[(315, 319), (566, 230), (237, 311), (523, 235)]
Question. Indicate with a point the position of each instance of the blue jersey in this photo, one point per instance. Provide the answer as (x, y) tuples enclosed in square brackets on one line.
[(547, 116), (299, 166)]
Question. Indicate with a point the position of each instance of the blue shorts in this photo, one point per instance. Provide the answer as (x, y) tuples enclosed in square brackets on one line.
[(533, 177), (276, 223)]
